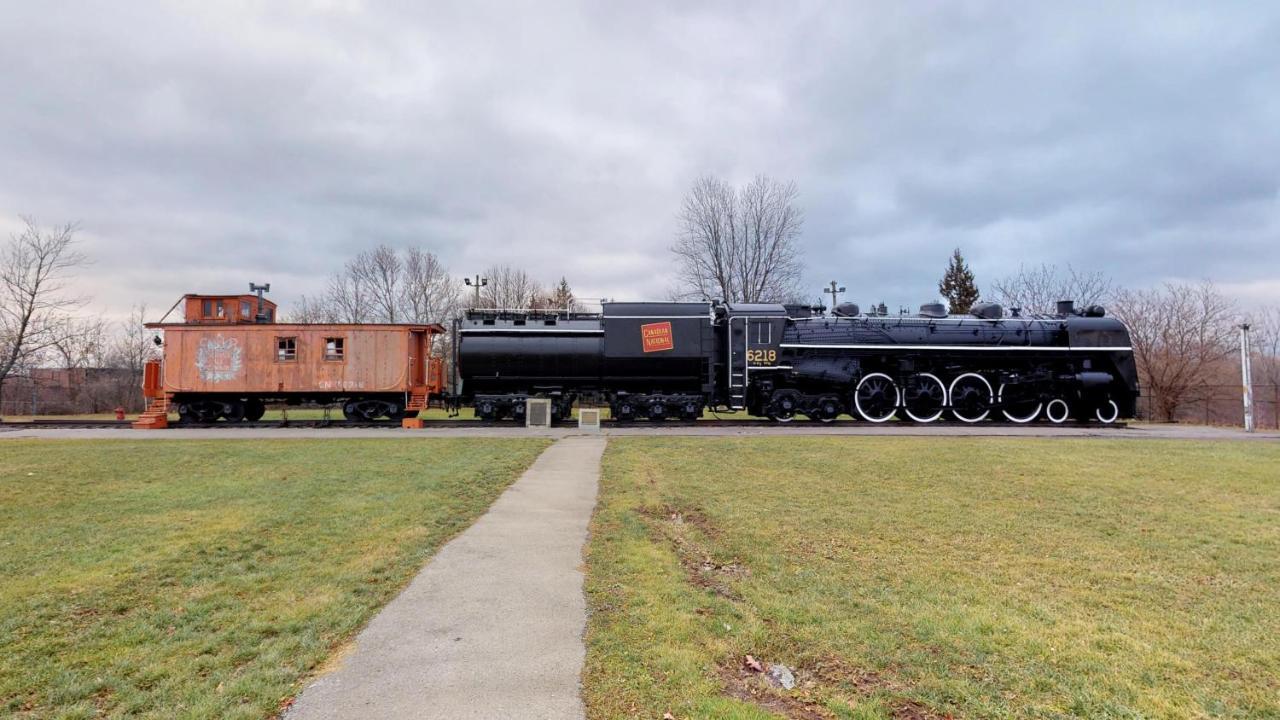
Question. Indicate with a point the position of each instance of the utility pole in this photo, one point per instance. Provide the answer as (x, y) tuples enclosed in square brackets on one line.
[(479, 283), (834, 291), (1246, 373)]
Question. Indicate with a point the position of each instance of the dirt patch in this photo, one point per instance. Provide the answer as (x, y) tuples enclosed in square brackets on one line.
[(704, 571), (748, 686)]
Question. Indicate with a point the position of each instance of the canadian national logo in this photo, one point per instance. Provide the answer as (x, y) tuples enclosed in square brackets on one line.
[(656, 337)]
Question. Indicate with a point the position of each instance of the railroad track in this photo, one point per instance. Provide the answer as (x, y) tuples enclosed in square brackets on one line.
[(478, 424)]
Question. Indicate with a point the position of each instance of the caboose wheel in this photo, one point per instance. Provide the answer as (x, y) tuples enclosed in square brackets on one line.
[(876, 398), (233, 411), (1018, 409), (254, 410), (925, 398), (971, 398)]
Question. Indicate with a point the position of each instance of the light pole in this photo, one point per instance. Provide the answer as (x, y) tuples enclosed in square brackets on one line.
[(834, 291), (1246, 375), (479, 283)]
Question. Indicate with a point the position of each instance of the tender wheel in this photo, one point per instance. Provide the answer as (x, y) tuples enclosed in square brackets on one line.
[(1018, 409), (1108, 412), (657, 412), (971, 398), (925, 398), (517, 412), (783, 405), (691, 411), (876, 398), (625, 411), (1057, 411)]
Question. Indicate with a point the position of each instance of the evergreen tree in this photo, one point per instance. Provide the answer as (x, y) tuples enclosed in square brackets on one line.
[(562, 297), (957, 285)]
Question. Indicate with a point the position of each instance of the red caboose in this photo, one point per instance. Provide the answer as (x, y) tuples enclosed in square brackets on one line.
[(229, 358)]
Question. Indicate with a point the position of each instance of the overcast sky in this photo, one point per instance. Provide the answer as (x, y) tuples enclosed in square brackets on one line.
[(228, 142)]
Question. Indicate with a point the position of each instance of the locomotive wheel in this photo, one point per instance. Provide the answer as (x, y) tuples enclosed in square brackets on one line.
[(971, 398), (1057, 411), (827, 409), (1108, 412), (876, 398), (254, 410), (783, 405), (926, 398), (1019, 410)]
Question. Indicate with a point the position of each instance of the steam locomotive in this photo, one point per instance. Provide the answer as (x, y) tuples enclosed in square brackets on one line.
[(657, 361)]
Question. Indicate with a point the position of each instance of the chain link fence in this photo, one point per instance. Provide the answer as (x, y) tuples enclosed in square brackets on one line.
[(1220, 405)]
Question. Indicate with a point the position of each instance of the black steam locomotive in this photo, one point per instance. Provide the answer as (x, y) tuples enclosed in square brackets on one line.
[(671, 360)]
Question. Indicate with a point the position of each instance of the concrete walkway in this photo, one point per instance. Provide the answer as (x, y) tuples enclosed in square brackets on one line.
[(492, 627)]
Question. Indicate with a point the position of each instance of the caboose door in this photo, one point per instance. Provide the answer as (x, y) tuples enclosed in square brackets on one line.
[(418, 351)]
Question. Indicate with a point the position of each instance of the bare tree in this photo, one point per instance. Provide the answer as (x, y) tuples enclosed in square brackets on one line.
[(1179, 334), (1266, 345), (1038, 289), (739, 245), (509, 288), (428, 293), (379, 273), (34, 269)]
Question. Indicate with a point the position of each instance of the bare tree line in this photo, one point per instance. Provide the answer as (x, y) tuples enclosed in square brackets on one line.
[(383, 285)]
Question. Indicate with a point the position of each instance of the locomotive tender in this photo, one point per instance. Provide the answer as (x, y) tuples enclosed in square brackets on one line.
[(671, 360)]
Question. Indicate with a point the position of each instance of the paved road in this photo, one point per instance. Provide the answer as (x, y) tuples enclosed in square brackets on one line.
[(493, 626), (1142, 431)]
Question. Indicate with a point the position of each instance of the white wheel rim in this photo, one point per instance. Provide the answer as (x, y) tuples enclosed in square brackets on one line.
[(1115, 413), (1048, 411), (941, 408), (1034, 413), (897, 398), (951, 393)]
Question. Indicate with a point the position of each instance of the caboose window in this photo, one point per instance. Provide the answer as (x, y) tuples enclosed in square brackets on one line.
[(206, 308), (286, 349), (244, 309), (334, 348)]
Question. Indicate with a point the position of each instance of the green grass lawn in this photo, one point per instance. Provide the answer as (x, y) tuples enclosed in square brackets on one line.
[(927, 578), (206, 579)]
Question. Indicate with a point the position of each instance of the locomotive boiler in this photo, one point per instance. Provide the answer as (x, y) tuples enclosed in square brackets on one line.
[(671, 360)]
